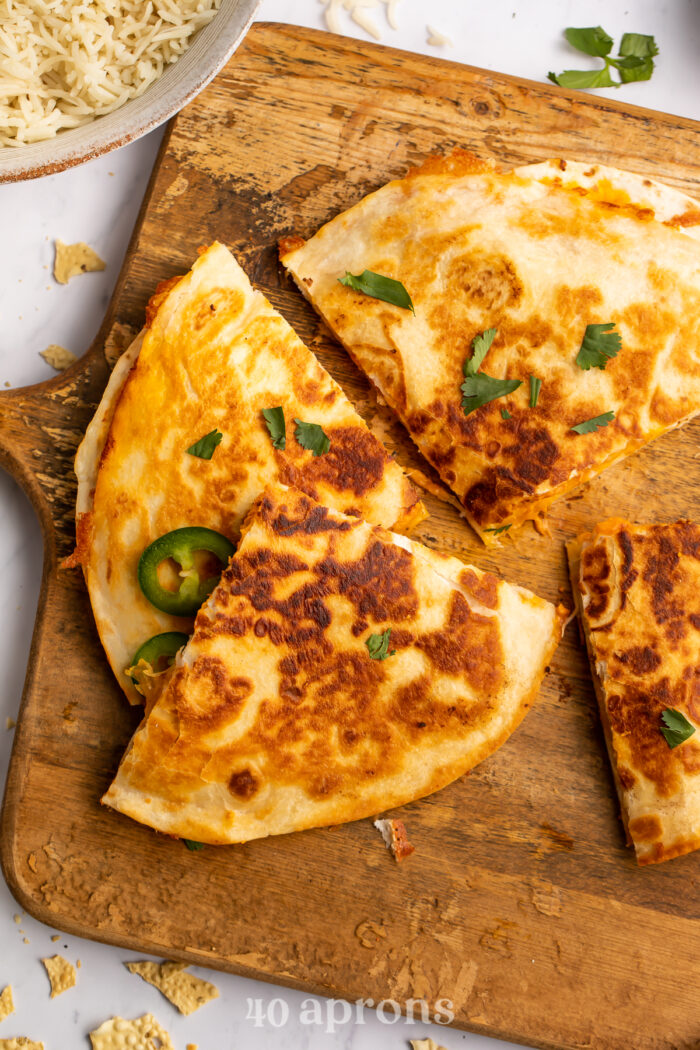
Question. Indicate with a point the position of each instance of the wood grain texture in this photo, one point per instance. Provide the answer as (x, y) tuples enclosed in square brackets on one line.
[(522, 904)]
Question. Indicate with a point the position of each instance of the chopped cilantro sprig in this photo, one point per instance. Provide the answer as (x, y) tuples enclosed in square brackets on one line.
[(635, 59)]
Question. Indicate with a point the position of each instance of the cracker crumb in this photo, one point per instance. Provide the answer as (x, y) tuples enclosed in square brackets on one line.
[(61, 974), (191, 1046), (425, 1044), (143, 1033), (25, 940), (20, 1042), (56, 937), (184, 990), (7, 1005), (73, 259), (10, 723), (58, 357), (18, 919)]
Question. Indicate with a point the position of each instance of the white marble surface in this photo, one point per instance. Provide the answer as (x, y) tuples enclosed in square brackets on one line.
[(98, 203)]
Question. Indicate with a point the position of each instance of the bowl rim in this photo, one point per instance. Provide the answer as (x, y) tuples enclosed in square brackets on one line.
[(179, 83)]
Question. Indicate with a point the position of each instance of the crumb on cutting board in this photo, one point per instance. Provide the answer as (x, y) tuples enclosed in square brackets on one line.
[(74, 259), (58, 357), (184, 990), (143, 1033), (61, 974), (395, 838)]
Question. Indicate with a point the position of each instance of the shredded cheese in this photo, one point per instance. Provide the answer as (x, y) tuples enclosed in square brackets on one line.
[(65, 62)]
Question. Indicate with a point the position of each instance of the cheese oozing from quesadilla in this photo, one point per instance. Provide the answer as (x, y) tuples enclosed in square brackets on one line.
[(291, 707), (213, 355), (637, 588), (537, 254)]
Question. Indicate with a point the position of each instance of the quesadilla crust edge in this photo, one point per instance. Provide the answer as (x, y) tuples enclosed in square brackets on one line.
[(276, 718), (438, 233), (635, 587), (213, 354)]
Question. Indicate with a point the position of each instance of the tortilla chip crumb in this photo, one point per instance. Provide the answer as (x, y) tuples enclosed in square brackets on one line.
[(143, 1033), (7, 1005), (58, 357), (78, 964), (18, 918), (72, 259), (61, 974), (25, 940), (10, 723), (191, 1046), (395, 839), (184, 990), (56, 937), (20, 1042), (31, 862), (425, 1044)]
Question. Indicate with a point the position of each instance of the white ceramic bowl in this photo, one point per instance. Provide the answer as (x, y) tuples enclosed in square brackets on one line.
[(209, 51)]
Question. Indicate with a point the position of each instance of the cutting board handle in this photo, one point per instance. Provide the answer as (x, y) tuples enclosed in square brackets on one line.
[(38, 446)]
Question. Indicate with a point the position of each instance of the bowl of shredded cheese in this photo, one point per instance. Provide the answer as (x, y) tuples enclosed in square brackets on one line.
[(81, 77)]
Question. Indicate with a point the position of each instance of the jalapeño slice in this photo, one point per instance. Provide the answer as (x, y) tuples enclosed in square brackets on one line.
[(180, 546), (159, 651)]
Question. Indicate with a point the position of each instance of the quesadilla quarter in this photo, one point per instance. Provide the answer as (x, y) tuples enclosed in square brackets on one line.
[(637, 588), (216, 397), (583, 284), (336, 671)]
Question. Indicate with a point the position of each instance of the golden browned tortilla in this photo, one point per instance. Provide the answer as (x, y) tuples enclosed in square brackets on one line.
[(213, 355), (637, 588), (276, 718), (537, 253)]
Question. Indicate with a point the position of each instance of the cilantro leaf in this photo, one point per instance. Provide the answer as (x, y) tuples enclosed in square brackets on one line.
[(204, 448), (632, 69), (635, 59), (638, 45), (192, 845), (592, 41), (501, 528), (589, 426), (378, 645), (481, 344), (535, 387), (599, 344), (505, 414), (378, 286), (311, 436), (583, 78), (678, 728), (478, 390), (274, 418)]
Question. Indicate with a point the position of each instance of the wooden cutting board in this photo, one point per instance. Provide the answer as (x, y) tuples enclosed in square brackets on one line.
[(521, 904)]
